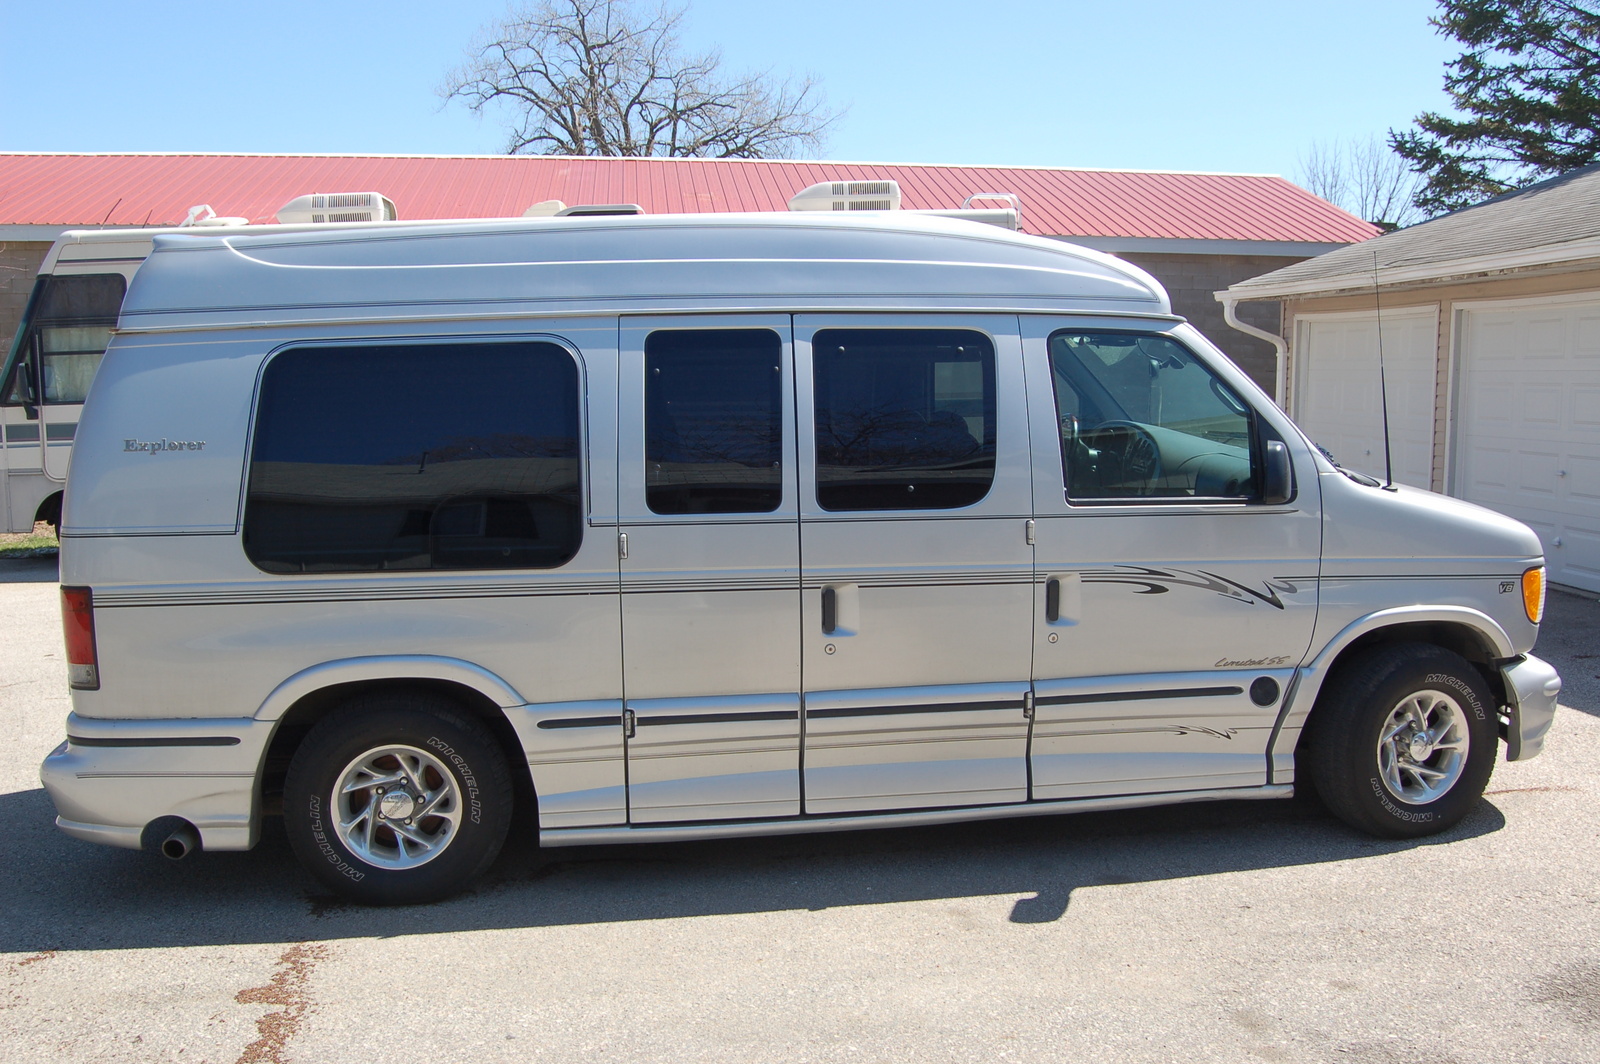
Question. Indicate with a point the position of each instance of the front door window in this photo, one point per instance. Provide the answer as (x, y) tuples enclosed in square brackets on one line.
[(1142, 418)]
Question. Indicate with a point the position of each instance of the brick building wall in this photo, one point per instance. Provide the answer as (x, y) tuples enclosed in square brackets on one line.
[(19, 264), (1191, 279)]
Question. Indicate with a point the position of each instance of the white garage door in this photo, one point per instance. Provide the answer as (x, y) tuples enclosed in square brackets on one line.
[(1528, 427), (1337, 393)]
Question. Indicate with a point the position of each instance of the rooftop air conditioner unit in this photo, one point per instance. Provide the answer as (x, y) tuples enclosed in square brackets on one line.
[(848, 196), (202, 214), (327, 207)]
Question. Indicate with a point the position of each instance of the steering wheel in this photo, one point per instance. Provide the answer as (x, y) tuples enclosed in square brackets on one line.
[(1069, 433), (1132, 453)]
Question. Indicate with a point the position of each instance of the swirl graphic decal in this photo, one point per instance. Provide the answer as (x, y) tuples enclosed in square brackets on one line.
[(1153, 581)]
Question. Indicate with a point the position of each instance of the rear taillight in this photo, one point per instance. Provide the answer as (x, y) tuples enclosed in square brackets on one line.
[(77, 618)]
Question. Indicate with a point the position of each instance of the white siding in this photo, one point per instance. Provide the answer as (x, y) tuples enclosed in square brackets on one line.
[(1337, 395), (1528, 425)]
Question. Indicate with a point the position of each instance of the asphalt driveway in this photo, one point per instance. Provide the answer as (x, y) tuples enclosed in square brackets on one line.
[(1223, 932)]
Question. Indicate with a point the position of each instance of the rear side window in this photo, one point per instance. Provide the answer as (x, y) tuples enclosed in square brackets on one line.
[(438, 456), (713, 421), (905, 418)]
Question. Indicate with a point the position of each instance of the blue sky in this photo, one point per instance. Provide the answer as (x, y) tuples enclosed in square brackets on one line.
[(1241, 86)]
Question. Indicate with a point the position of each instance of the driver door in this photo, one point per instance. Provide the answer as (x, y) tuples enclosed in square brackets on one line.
[(1172, 604)]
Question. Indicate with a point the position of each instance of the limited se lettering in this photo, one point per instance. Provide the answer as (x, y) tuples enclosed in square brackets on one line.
[(1251, 663)]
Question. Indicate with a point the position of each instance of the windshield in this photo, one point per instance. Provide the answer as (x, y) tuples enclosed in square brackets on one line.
[(62, 337)]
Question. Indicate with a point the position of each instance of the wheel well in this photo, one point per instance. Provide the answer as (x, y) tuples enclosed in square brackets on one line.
[(1457, 638), (49, 511), (301, 717)]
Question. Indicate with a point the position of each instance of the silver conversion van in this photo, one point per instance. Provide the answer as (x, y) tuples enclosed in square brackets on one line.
[(716, 525)]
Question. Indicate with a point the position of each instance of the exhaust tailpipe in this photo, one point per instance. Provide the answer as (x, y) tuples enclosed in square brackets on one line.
[(171, 836), (180, 843)]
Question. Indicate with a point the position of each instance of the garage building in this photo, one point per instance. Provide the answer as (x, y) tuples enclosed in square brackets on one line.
[(1489, 325)]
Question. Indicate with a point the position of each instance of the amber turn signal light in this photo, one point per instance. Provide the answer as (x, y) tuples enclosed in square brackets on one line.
[(1533, 594)]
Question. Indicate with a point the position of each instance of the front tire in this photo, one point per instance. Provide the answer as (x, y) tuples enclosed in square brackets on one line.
[(1402, 741), (397, 799)]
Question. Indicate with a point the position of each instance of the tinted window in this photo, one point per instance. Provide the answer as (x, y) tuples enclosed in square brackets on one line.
[(443, 456), (66, 327), (713, 421), (905, 418), (1141, 417)]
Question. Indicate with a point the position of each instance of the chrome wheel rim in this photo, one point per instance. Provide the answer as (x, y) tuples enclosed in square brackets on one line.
[(398, 807), (1422, 747)]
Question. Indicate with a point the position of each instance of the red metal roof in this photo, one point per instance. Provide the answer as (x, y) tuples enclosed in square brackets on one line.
[(159, 189)]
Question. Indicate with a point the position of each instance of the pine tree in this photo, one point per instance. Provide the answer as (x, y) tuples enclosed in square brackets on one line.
[(1528, 91)]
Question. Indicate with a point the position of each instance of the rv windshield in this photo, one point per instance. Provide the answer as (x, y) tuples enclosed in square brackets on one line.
[(63, 335)]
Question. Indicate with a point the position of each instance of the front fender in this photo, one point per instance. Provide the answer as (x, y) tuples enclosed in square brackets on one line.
[(1309, 679)]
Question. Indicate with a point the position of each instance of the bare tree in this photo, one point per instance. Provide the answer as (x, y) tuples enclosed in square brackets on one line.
[(606, 77), (1364, 177)]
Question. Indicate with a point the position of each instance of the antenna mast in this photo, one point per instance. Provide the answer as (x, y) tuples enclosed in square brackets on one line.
[(1383, 384)]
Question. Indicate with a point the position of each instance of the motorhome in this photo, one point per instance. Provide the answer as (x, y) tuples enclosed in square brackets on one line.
[(66, 325), (704, 526), (47, 373)]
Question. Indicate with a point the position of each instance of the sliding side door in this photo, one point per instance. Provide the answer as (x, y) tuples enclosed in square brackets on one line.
[(917, 569), (710, 559)]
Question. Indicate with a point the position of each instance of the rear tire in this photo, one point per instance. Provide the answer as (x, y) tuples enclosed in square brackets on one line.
[(397, 799), (50, 513), (1403, 741)]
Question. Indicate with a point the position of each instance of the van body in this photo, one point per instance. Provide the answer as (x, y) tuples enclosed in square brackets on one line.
[(703, 526)]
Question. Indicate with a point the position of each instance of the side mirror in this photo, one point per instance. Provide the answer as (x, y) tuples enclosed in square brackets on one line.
[(24, 381), (1277, 479)]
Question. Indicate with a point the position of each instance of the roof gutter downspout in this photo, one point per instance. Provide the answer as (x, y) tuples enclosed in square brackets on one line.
[(1279, 346)]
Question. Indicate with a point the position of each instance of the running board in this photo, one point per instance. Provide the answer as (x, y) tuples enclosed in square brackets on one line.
[(808, 825)]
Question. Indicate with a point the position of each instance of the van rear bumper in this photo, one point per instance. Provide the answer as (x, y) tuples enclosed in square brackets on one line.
[(1532, 687), (113, 777)]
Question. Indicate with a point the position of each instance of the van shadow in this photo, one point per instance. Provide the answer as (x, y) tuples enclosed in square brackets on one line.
[(41, 569), (61, 894)]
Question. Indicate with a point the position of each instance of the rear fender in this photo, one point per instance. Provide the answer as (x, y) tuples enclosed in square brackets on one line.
[(387, 667)]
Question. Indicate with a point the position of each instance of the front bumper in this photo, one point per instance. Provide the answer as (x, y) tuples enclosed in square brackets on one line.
[(1532, 687), (113, 777)]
